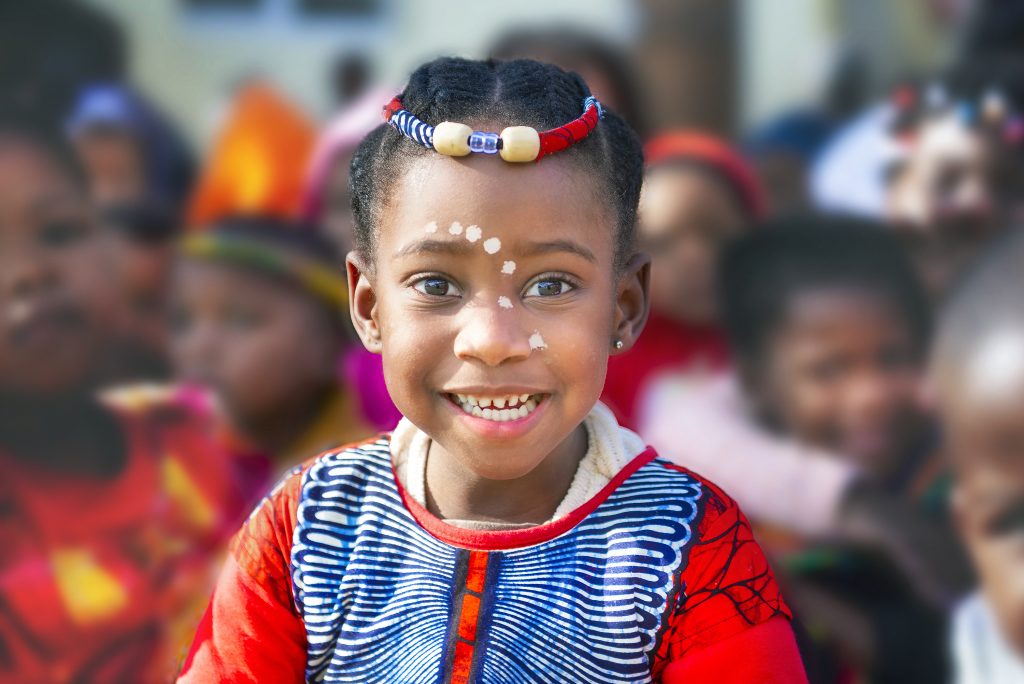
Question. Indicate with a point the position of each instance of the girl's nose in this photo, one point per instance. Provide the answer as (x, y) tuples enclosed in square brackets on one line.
[(492, 335)]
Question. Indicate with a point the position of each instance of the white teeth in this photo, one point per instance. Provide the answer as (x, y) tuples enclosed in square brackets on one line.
[(504, 408)]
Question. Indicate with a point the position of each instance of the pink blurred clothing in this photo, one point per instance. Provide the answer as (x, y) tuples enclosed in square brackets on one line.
[(704, 425)]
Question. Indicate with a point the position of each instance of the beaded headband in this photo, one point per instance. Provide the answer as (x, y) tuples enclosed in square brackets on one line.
[(515, 144)]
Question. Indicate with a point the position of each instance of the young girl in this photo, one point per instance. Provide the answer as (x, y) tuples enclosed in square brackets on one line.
[(112, 510), (508, 529)]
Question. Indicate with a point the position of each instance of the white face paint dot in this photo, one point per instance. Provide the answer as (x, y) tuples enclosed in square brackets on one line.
[(473, 233), (504, 302), (431, 227), (455, 228), (492, 245), (536, 341), (508, 268)]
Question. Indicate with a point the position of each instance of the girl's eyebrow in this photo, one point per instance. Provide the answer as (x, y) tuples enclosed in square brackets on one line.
[(548, 246), (434, 246), (463, 247)]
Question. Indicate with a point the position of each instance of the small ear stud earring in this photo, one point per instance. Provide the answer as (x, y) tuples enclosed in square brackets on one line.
[(619, 344)]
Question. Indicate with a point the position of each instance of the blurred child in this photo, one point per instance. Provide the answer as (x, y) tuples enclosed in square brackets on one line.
[(327, 204), (698, 196), (326, 200), (979, 377), (113, 509), (508, 529), (956, 174), (258, 298), (256, 316), (139, 172), (830, 328)]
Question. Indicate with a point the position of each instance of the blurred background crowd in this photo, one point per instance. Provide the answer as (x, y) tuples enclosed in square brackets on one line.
[(832, 199)]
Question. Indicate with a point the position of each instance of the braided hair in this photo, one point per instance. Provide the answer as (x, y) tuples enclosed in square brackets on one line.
[(518, 92)]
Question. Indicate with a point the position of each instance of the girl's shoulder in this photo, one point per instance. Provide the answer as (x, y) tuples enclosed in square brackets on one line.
[(262, 547)]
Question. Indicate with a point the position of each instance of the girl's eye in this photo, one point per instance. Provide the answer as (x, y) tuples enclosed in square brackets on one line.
[(549, 287), (436, 287)]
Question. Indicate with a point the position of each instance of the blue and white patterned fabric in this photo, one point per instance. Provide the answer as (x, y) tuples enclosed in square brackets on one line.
[(378, 593)]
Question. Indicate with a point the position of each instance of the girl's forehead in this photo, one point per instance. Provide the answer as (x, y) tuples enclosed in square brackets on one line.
[(550, 200)]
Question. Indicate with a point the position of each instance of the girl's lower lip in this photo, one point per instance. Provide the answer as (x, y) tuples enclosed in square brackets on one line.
[(493, 429)]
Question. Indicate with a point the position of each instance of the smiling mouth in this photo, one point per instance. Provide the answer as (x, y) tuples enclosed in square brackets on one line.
[(498, 409)]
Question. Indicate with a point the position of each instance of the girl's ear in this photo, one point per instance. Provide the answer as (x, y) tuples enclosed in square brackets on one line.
[(632, 303), (362, 303)]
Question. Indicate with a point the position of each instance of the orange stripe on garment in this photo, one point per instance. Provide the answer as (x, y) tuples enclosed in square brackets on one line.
[(469, 614), (477, 571)]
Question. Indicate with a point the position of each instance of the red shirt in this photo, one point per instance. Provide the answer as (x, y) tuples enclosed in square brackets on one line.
[(341, 553)]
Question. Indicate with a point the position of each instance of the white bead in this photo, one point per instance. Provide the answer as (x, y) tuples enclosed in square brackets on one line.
[(520, 144), (452, 138)]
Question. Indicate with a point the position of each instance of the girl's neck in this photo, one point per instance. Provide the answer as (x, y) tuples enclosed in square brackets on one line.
[(455, 493), (72, 433)]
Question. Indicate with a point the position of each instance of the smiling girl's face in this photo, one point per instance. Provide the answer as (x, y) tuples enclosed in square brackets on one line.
[(464, 339)]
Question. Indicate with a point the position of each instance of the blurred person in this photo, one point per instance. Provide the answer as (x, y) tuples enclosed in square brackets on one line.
[(956, 175), (604, 66), (698, 195), (496, 289), (978, 373), (326, 200), (258, 298), (140, 173), (350, 77), (830, 328), (782, 151), (116, 504), (50, 49), (327, 204)]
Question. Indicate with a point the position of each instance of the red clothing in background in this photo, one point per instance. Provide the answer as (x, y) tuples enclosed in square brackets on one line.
[(104, 579), (664, 346)]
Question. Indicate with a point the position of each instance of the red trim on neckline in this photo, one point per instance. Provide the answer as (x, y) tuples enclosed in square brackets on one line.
[(503, 540)]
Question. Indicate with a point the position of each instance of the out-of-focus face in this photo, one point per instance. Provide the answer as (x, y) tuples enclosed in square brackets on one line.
[(686, 218), (338, 219), (142, 271), (495, 301), (261, 346), (842, 372), (983, 417), (114, 165), (949, 197), (54, 298)]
